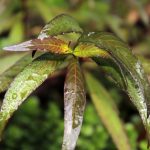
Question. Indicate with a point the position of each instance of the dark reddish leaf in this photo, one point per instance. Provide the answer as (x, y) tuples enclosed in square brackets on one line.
[(50, 44)]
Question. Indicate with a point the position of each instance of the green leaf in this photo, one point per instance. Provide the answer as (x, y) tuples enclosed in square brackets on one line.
[(106, 109), (114, 46), (130, 88), (59, 25), (113, 71), (46, 42), (7, 77), (74, 104), (8, 59), (88, 50), (145, 63), (26, 82), (130, 67)]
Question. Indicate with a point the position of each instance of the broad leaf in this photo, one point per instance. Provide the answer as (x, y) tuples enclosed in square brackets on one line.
[(106, 109), (7, 77), (137, 84), (50, 44), (27, 81), (74, 104), (59, 25)]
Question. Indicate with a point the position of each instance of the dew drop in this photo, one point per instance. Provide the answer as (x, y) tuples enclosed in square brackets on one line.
[(14, 95), (89, 34)]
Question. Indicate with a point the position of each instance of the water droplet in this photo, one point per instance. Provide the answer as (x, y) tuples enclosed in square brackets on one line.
[(42, 36), (90, 33), (139, 69), (14, 95)]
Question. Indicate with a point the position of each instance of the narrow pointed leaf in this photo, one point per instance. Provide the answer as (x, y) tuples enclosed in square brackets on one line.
[(131, 87), (50, 44), (113, 71), (46, 42), (107, 112), (59, 25), (137, 84), (74, 105), (27, 81), (7, 77)]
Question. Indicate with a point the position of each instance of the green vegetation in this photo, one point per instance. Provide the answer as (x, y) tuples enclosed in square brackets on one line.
[(27, 122), (71, 59)]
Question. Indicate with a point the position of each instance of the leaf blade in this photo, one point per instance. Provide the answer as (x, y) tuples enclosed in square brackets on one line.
[(74, 105), (128, 64), (28, 80), (7, 77), (106, 109), (59, 25), (50, 44), (130, 89)]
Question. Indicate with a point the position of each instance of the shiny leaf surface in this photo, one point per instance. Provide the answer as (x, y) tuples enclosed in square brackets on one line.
[(127, 63), (50, 44), (27, 81), (74, 105), (128, 85), (59, 25)]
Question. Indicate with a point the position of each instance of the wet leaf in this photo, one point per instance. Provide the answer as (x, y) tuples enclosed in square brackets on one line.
[(74, 105), (59, 25), (137, 84), (46, 42), (113, 71), (7, 77), (50, 44), (27, 81), (128, 85), (106, 109)]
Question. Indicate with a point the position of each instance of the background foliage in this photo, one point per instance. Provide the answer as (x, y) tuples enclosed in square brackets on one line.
[(41, 118)]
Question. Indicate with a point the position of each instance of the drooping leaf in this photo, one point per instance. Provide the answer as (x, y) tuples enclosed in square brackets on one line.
[(106, 109), (74, 104), (113, 71), (129, 66), (131, 89), (27, 81), (7, 77), (50, 44), (59, 25)]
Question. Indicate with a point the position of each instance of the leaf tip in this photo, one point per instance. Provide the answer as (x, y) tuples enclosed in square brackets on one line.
[(25, 46)]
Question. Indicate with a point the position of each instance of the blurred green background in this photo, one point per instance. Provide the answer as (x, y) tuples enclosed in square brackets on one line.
[(38, 124)]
